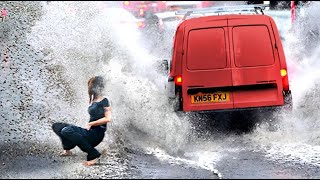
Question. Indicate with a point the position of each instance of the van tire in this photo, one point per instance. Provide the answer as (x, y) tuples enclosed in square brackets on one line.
[(287, 101)]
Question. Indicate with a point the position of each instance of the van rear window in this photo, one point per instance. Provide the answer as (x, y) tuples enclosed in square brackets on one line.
[(206, 49), (252, 46)]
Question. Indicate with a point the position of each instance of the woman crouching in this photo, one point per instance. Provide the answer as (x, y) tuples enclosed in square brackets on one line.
[(89, 137)]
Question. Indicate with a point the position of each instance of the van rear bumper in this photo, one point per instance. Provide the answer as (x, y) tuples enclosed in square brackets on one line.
[(266, 108), (287, 106)]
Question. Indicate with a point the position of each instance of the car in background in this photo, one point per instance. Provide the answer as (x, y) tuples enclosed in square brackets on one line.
[(169, 21), (128, 5), (141, 8), (206, 4)]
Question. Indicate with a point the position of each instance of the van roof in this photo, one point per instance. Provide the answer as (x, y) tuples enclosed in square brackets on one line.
[(223, 10), (196, 20)]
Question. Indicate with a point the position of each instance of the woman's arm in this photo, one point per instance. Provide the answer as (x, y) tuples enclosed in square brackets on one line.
[(104, 120)]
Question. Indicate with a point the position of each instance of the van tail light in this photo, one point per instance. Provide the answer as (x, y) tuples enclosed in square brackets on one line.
[(178, 80), (285, 80), (283, 72)]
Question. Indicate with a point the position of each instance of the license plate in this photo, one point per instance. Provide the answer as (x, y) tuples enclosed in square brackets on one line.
[(210, 97)]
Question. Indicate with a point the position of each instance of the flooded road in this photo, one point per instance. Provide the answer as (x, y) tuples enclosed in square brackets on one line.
[(49, 50)]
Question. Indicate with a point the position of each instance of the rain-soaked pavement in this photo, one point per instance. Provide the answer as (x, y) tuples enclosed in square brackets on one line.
[(49, 50)]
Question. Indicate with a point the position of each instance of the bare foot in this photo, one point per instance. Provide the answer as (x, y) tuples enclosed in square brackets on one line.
[(92, 162), (66, 153)]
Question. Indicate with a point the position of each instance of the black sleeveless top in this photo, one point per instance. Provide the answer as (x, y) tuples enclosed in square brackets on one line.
[(96, 110)]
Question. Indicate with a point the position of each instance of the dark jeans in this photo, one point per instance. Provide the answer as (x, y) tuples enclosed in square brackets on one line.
[(72, 136)]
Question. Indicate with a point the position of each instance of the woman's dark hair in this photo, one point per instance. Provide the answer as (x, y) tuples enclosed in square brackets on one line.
[(95, 87)]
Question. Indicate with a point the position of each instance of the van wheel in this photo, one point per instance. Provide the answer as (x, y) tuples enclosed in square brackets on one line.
[(288, 102)]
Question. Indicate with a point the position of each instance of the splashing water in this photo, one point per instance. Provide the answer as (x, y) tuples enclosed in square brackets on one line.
[(297, 137), (21, 68), (69, 43)]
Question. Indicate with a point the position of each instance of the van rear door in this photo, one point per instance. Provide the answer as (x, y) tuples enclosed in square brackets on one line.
[(255, 62), (206, 72)]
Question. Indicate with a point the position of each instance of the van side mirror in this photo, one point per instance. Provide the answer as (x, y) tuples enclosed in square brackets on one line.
[(165, 66)]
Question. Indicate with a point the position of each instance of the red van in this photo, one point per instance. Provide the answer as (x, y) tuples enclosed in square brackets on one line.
[(228, 62)]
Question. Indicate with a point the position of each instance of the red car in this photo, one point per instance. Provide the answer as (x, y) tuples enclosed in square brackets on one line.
[(228, 62), (141, 8)]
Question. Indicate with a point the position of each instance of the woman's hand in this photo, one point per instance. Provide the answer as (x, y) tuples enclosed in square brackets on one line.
[(88, 126), (101, 121)]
